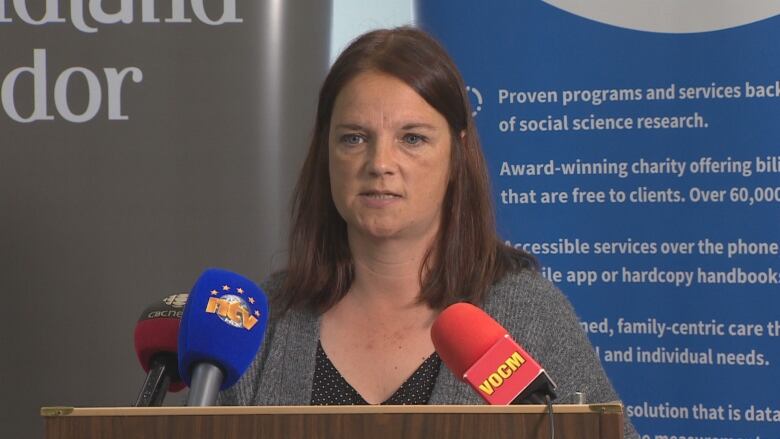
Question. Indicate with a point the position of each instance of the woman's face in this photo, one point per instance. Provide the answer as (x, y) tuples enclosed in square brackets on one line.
[(389, 159)]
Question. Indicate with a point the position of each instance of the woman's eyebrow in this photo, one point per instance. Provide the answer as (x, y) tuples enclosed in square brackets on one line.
[(416, 125), (407, 126), (350, 126)]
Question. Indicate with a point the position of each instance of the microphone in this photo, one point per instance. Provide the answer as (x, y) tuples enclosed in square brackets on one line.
[(221, 330), (156, 340), (480, 352)]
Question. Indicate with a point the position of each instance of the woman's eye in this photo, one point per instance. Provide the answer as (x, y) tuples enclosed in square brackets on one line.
[(413, 139), (352, 139)]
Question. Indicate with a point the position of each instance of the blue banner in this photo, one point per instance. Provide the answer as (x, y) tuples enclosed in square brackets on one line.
[(636, 152)]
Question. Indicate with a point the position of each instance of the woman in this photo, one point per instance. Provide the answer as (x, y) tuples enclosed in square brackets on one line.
[(391, 223)]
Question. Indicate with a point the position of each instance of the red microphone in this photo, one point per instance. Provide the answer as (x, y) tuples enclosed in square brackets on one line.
[(156, 344), (480, 352)]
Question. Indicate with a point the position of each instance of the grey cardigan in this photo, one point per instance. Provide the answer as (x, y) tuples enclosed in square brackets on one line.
[(535, 313)]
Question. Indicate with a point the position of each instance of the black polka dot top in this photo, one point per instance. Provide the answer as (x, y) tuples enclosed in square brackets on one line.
[(330, 388)]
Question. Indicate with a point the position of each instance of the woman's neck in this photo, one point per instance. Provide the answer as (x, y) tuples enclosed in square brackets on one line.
[(387, 271)]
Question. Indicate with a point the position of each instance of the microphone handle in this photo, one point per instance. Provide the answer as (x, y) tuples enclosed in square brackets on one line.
[(206, 381), (536, 392), (157, 381)]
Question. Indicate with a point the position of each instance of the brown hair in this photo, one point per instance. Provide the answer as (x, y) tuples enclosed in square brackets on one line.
[(467, 256)]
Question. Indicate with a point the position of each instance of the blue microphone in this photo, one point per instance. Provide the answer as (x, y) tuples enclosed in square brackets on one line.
[(221, 330)]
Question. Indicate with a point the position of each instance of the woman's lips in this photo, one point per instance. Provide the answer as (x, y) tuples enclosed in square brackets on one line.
[(379, 198)]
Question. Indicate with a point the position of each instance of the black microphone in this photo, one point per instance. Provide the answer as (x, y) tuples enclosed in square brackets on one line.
[(156, 344)]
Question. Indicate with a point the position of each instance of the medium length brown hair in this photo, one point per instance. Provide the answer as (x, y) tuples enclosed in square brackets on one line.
[(467, 256)]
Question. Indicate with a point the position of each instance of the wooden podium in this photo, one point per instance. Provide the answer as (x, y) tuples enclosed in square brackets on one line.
[(595, 421)]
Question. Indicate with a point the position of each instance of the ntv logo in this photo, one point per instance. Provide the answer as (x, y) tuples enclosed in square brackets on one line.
[(124, 15)]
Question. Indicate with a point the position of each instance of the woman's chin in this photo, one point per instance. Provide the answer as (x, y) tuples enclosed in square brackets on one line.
[(392, 232), (381, 233), (378, 231)]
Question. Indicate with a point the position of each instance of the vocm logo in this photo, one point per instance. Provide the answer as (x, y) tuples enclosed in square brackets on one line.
[(503, 371), (233, 309)]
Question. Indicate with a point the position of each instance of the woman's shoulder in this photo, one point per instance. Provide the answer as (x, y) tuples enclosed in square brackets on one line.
[(272, 284), (526, 288), (530, 307), (290, 340)]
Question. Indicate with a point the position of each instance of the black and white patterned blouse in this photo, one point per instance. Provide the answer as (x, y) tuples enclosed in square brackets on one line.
[(330, 388)]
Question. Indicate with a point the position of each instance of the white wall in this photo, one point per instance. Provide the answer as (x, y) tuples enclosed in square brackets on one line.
[(354, 17)]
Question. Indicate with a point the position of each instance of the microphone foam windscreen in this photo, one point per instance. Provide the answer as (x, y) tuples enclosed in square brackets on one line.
[(223, 324), (157, 331), (462, 334)]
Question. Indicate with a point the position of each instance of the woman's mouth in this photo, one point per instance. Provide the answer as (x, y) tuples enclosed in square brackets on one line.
[(380, 195), (379, 199)]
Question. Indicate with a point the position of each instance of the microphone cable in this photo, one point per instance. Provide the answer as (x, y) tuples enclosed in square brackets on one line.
[(548, 401)]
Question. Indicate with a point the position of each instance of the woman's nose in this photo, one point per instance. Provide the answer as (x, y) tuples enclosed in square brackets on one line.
[(381, 157)]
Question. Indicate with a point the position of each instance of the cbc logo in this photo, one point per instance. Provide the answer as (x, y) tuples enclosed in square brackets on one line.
[(176, 300)]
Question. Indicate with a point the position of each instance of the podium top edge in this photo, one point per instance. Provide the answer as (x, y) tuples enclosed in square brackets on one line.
[(612, 407)]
